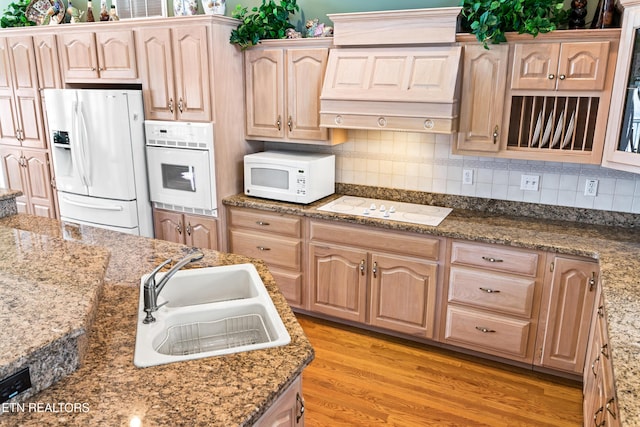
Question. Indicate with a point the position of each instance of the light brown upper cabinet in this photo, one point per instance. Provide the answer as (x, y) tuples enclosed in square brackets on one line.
[(20, 111), (98, 56), (560, 66), (174, 68), (555, 101), (623, 128), (484, 77), (283, 81)]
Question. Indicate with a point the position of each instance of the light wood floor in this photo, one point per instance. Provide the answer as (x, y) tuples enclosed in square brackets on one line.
[(360, 378)]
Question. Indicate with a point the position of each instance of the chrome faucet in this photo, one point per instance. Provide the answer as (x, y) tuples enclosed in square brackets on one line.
[(153, 289)]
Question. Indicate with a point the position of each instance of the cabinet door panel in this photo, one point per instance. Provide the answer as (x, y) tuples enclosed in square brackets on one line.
[(584, 65), (403, 293), (27, 95), (78, 56), (201, 232), (569, 304), (38, 180), (47, 61), (338, 283), (168, 226), (156, 64), (305, 73), (483, 85), (533, 64), (116, 55), (290, 284), (190, 50), (264, 70), (8, 120), (11, 164)]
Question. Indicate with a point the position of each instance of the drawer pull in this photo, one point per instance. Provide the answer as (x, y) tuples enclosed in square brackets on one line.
[(601, 311), (491, 259), (604, 350), (263, 223), (595, 418), (608, 407), (484, 330), (263, 248), (593, 366), (489, 290)]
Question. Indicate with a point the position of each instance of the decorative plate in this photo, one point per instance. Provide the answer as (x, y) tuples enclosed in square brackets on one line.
[(46, 12)]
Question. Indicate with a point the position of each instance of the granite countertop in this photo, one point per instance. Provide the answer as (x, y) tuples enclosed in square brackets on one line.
[(615, 247), (108, 389)]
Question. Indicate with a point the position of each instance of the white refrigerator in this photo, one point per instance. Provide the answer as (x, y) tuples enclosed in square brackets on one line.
[(98, 150)]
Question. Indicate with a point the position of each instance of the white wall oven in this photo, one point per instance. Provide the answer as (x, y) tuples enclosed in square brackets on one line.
[(181, 166)]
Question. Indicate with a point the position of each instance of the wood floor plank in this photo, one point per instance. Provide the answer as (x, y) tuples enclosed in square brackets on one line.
[(359, 378)]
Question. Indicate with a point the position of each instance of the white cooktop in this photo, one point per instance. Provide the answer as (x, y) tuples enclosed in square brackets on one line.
[(386, 209)]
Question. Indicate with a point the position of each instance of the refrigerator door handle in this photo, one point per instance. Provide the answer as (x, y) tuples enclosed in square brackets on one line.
[(86, 165), (92, 206), (76, 144)]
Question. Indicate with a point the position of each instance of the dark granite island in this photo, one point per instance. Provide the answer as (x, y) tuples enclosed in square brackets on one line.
[(107, 389)]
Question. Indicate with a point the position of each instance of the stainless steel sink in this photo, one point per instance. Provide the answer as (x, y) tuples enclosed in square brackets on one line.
[(210, 311)]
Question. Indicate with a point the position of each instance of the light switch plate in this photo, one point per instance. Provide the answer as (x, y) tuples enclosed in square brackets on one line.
[(467, 176)]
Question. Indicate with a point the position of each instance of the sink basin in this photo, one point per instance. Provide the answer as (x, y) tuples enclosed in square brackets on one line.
[(210, 311), (212, 284)]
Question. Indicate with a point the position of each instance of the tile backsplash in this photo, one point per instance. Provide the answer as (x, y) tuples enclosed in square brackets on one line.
[(423, 162)]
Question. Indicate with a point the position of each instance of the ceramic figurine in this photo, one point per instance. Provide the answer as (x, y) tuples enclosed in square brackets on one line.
[(74, 13), (214, 7), (291, 33)]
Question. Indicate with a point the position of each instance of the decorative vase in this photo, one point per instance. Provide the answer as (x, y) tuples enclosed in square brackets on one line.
[(185, 7), (214, 7)]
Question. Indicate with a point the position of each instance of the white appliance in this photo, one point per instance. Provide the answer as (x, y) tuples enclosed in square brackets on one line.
[(181, 166), (289, 176), (99, 158)]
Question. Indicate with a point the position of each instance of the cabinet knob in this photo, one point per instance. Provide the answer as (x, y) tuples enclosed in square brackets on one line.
[(562, 77), (279, 123), (374, 270), (181, 105), (290, 124), (362, 267), (495, 134), (300, 406), (188, 229), (100, 69), (608, 407), (551, 76), (171, 105), (179, 228)]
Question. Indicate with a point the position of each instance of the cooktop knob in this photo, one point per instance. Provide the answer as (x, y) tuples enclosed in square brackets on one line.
[(372, 207), (392, 209), (382, 208)]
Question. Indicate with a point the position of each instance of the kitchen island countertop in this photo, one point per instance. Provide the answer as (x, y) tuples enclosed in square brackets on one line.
[(107, 389), (615, 248)]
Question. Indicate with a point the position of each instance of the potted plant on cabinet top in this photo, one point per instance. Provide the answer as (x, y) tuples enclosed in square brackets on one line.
[(268, 21), (489, 20)]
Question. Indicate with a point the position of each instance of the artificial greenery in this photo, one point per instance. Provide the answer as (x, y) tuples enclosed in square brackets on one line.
[(269, 21), (15, 15), (489, 20)]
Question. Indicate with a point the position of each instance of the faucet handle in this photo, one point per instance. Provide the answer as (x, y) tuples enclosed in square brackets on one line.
[(152, 276)]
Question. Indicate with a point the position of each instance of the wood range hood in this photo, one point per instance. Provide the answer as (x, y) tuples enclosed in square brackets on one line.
[(393, 70)]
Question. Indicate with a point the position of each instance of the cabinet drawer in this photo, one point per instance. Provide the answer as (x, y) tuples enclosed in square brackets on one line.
[(484, 331), (423, 247), (497, 292), (278, 251), (495, 258), (265, 222)]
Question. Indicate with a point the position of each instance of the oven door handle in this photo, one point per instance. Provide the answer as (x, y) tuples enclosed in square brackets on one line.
[(192, 178)]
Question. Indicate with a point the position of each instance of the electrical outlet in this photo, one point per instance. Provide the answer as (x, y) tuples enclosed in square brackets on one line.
[(467, 176), (529, 182), (591, 187)]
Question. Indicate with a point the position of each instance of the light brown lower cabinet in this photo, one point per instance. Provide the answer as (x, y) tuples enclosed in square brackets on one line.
[(287, 411), (600, 405), (565, 315), (28, 170), (193, 230), (371, 284)]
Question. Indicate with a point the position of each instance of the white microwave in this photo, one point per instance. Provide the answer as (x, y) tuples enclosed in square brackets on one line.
[(289, 176)]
